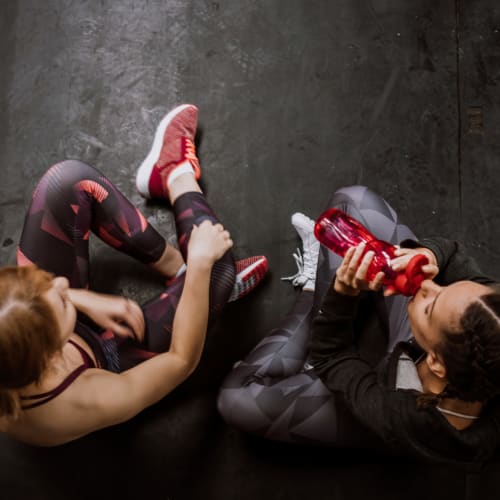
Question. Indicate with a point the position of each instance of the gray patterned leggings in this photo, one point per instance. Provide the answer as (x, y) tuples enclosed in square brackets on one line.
[(272, 392)]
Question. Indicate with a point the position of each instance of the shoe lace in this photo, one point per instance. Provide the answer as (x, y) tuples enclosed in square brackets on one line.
[(304, 269), (190, 151), (310, 257)]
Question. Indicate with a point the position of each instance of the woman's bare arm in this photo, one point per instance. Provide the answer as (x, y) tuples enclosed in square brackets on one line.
[(106, 398)]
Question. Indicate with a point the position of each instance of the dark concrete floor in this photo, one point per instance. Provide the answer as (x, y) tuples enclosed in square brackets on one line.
[(296, 98)]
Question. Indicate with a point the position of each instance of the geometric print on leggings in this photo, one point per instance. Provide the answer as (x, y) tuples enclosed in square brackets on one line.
[(272, 392), (269, 393), (73, 199), (382, 221), (189, 208)]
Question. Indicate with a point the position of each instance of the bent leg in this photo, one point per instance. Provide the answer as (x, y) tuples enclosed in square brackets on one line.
[(269, 394), (296, 409), (71, 200), (380, 219), (283, 352), (190, 208)]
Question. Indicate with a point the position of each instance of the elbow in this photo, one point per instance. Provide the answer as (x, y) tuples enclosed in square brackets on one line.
[(189, 369), (187, 364)]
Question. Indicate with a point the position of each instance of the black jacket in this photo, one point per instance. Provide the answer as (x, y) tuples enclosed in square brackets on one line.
[(371, 396)]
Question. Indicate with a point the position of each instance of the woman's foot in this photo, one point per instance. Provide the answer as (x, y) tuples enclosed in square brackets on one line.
[(307, 261), (249, 273), (172, 155)]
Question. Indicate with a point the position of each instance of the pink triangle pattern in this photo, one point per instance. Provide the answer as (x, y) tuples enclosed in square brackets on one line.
[(123, 224), (185, 214), (111, 240), (142, 220), (182, 239), (50, 225), (94, 189), (21, 259)]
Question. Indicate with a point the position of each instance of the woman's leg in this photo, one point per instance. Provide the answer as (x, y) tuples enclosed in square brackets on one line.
[(170, 171), (270, 393), (71, 200), (381, 220), (190, 208)]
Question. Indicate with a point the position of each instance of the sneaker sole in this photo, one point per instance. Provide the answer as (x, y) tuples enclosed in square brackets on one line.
[(146, 167), (248, 280), (243, 275)]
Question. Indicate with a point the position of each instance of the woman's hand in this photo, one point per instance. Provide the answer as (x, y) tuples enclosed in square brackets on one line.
[(403, 257), (120, 315), (208, 242), (350, 277)]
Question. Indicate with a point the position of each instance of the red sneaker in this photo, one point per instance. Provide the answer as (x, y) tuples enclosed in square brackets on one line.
[(249, 273), (173, 146)]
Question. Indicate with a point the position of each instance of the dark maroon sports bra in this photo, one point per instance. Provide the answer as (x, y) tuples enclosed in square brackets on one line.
[(45, 397)]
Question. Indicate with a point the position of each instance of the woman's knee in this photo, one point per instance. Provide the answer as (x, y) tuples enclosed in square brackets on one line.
[(350, 196), (61, 181), (63, 176), (239, 408), (71, 170)]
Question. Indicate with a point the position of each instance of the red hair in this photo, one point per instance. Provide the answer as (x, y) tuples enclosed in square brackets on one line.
[(29, 332)]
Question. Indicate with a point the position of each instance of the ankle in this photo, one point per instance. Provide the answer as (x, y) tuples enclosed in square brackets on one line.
[(181, 169), (170, 263), (309, 286), (181, 184)]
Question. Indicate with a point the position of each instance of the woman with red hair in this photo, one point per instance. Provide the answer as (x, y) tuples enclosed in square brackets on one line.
[(73, 361)]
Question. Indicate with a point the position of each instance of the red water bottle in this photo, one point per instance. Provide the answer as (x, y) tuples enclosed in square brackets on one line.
[(338, 232)]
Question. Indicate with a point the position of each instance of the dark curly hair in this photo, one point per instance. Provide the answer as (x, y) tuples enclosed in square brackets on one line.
[(471, 353)]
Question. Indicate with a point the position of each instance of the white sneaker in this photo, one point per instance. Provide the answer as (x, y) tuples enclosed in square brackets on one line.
[(308, 260)]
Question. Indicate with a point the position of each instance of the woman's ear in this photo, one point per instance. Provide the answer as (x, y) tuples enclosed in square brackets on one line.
[(435, 365)]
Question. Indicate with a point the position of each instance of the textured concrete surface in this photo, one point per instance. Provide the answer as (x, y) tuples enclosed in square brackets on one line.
[(296, 98)]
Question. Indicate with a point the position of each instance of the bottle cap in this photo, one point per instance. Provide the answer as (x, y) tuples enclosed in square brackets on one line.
[(409, 282)]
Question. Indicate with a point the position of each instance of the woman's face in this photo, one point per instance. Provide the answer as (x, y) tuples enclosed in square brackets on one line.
[(436, 308), (64, 310)]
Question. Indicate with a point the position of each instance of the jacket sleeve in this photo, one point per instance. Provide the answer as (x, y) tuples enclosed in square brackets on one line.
[(337, 362), (390, 413), (453, 262)]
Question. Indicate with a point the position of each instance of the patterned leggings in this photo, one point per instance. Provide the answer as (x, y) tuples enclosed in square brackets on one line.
[(272, 392), (73, 199)]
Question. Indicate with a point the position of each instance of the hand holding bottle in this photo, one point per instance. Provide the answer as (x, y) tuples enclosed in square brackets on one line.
[(340, 232), (351, 275), (404, 257)]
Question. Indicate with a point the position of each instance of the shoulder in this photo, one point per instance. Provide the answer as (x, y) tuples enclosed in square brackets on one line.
[(93, 385)]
